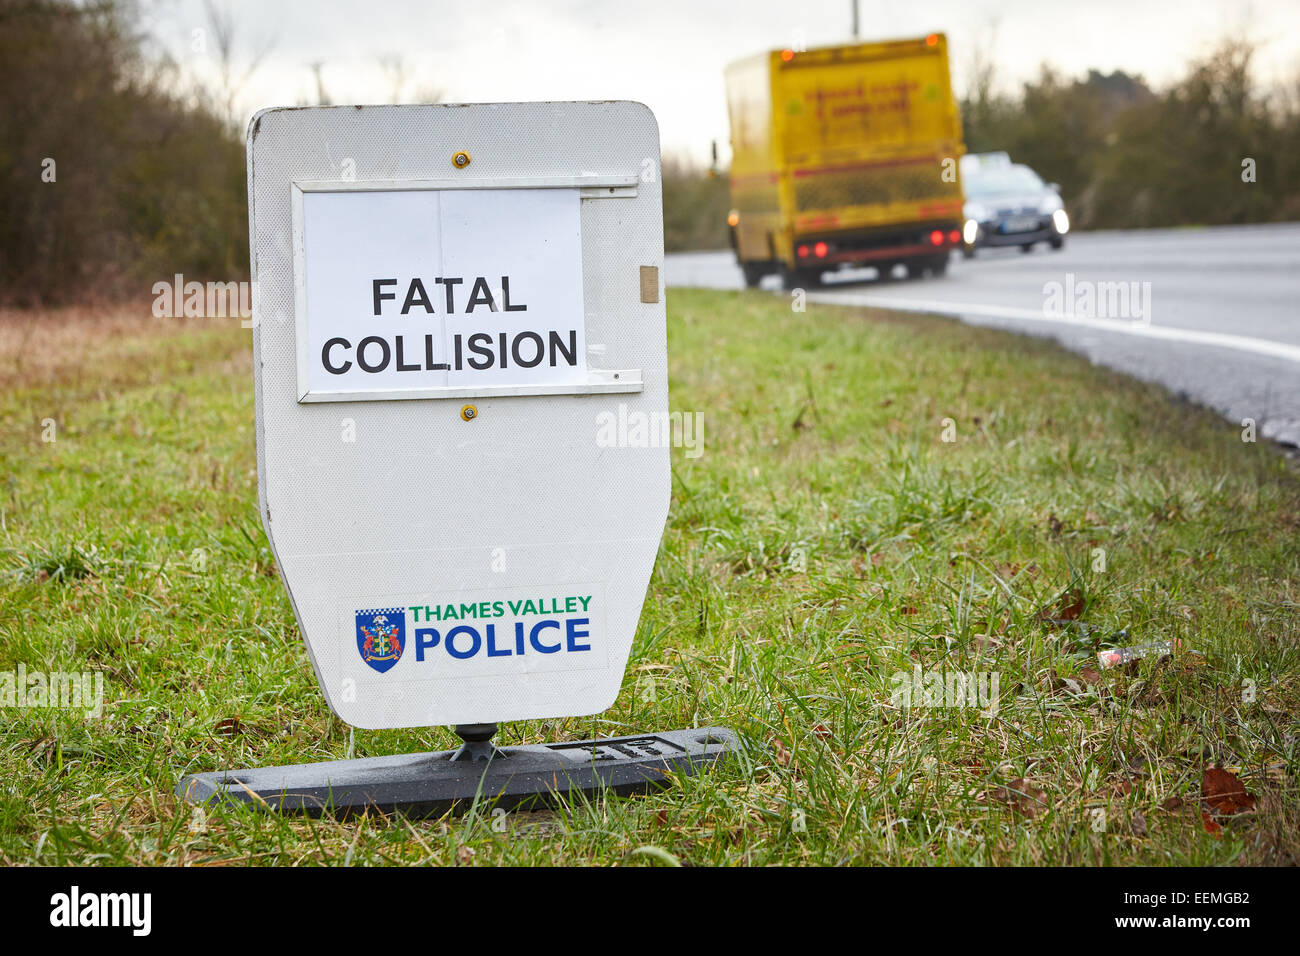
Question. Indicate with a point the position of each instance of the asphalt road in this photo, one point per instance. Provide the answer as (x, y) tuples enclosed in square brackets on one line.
[(1219, 322)]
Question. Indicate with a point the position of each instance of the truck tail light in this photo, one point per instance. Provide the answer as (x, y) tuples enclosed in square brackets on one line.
[(821, 250), (954, 236), (803, 252), (936, 237)]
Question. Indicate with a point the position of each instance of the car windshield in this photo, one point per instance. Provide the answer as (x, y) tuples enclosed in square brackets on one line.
[(1001, 182)]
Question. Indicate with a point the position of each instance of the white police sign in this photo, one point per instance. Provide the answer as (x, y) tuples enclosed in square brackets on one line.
[(447, 299)]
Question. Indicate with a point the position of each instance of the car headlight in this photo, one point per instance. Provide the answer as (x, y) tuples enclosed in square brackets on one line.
[(1050, 203), (1061, 221), (970, 232)]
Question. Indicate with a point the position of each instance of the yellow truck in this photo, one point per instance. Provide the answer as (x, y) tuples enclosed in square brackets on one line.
[(844, 156)]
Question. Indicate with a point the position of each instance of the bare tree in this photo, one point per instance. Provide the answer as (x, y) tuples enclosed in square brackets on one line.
[(426, 93), (231, 78), (398, 77), (322, 97), (981, 66)]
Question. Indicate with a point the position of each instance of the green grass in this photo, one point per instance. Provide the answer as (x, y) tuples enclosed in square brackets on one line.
[(827, 540)]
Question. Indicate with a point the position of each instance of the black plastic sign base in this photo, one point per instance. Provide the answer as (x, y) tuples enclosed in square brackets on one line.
[(430, 784)]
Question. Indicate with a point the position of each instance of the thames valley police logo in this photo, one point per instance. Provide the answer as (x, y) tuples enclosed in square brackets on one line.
[(381, 633)]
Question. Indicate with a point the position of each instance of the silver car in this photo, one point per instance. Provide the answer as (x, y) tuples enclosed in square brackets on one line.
[(1008, 204)]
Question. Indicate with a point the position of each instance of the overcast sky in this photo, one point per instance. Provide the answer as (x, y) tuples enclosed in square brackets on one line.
[(670, 53)]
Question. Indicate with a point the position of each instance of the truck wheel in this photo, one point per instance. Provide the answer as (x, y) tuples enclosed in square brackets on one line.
[(938, 266), (1058, 242), (915, 268), (754, 273), (968, 252), (1027, 247)]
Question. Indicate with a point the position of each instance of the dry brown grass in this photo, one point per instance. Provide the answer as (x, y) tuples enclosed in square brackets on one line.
[(55, 363), (40, 347)]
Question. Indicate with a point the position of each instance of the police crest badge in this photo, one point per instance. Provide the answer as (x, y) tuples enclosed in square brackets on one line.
[(381, 634)]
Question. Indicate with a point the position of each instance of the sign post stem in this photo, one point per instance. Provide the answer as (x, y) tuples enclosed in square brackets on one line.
[(477, 742)]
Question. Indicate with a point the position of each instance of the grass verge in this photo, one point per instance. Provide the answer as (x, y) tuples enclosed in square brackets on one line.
[(828, 549)]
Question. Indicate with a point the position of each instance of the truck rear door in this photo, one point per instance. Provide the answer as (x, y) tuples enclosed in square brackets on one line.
[(863, 131)]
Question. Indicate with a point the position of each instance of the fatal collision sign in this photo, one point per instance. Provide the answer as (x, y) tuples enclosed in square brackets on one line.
[(406, 293), (449, 300)]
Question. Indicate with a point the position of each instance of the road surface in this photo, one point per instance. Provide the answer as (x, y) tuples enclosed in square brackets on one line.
[(1219, 322)]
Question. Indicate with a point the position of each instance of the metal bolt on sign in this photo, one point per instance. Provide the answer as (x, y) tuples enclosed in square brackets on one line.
[(533, 281)]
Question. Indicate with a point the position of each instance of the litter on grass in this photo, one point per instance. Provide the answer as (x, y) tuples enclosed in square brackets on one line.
[(1115, 656)]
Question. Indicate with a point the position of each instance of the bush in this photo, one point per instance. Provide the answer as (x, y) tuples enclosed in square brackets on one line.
[(107, 181), (1127, 156)]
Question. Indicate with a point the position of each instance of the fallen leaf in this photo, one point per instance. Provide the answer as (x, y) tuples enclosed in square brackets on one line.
[(1211, 827), (464, 854), (1171, 803), (1224, 793), (822, 731), (1138, 823), (782, 751), (1072, 605), (1090, 675), (230, 727)]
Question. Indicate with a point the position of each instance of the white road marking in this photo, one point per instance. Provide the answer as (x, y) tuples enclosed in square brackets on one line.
[(1241, 343)]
